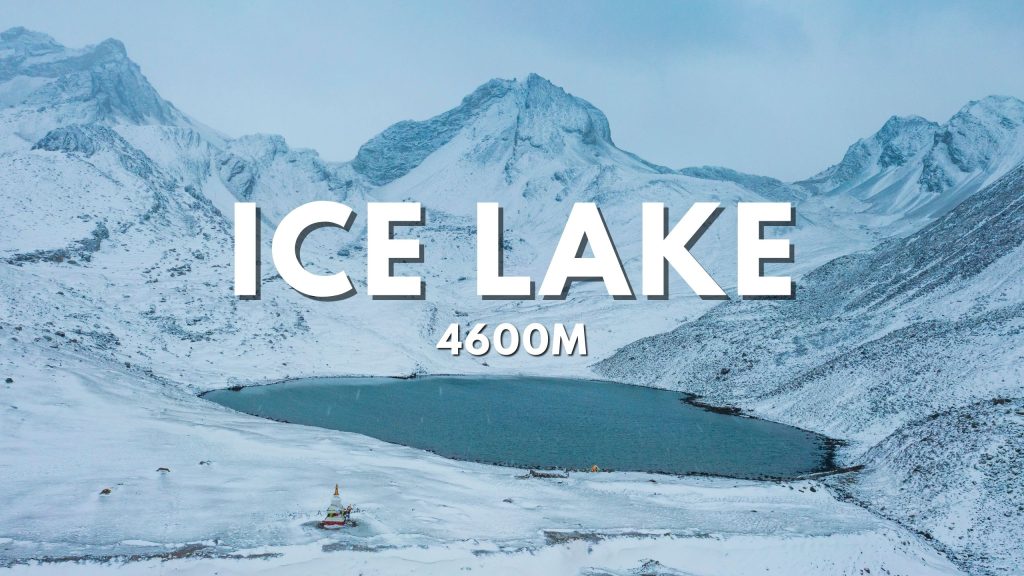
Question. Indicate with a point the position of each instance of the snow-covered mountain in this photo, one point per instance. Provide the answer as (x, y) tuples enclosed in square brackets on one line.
[(913, 169), (119, 215), (518, 123), (908, 173), (161, 187), (44, 85), (119, 249), (875, 347)]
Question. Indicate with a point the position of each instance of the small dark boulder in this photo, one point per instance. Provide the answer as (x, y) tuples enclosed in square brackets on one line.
[(536, 474)]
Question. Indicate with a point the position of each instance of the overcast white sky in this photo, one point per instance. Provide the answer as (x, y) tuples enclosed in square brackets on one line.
[(772, 88)]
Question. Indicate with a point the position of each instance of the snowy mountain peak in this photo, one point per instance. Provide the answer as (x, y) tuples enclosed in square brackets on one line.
[(532, 111), (545, 107), (22, 42), (981, 132), (111, 48), (1001, 109), (914, 169), (542, 96), (58, 86), (896, 125), (900, 139)]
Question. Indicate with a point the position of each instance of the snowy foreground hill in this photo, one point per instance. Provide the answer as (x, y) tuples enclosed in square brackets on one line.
[(913, 351), (116, 306)]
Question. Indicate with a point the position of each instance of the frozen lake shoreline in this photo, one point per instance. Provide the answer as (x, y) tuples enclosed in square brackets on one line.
[(74, 425)]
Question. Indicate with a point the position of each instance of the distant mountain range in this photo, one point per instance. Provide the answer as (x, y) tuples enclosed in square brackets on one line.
[(908, 257), (912, 170)]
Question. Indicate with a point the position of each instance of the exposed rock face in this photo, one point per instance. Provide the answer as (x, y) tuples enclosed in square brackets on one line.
[(898, 141), (88, 139), (102, 76), (533, 112), (975, 139), (917, 169)]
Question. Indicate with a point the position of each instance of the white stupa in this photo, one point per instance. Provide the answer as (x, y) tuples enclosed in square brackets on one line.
[(336, 515)]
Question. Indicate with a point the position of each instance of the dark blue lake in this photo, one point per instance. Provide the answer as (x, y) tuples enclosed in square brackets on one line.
[(541, 423)]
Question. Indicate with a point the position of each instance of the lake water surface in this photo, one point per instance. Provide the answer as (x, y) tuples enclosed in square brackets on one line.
[(533, 422)]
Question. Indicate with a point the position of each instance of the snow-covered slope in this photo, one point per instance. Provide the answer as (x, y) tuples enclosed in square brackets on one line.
[(874, 341), (771, 188), (119, 243), (956, 476), (958, 277)]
